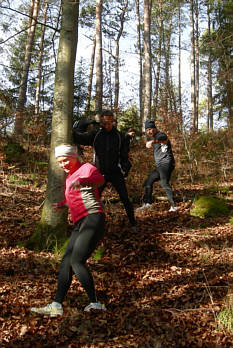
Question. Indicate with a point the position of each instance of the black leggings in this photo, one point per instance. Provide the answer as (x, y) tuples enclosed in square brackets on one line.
[(162, 174), (83, 241), (118, 182)]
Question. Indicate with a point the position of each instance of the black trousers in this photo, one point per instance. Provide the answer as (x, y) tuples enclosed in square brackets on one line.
[(118, 182), (162, 174), (83, 241)]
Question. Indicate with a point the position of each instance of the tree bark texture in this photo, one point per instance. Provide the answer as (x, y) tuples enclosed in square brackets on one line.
[(158, 61), (147, 85), (209, 121), (99, 59), (197, 70), (193, 84), (139, 52), (90, 79), (19, 117), (40, 61), (117, 50), (179, 73), (53, 223)]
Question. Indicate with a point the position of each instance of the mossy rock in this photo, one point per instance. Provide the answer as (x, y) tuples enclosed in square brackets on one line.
[(208, 206)]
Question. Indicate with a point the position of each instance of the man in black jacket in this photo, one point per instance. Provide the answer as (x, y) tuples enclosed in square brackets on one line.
[(165, 164), (110, 157)]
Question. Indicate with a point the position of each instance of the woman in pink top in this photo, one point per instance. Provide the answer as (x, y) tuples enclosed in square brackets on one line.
[(82, 198)]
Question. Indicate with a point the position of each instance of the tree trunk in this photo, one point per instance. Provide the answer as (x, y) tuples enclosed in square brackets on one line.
[(179, 75), (197, 63), (109, 66), (209, 81), (89, 88), (147, 61), (117, 82), (19, 116), (167, 53), (158, 59), (51, 230), (193, 84), (99, 60), (139, 51), (40, 60)]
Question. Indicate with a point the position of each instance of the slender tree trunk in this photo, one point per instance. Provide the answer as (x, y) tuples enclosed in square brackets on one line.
[(19, 117), (99, 60), (193, 84), (168, 95), (109, 67), (117, 50), (139, 51), (197, 63), (53, 224), (158, 71), (40, 60), (89, 88), (179, 74), (117, 82), (209, 81), (147, 85)]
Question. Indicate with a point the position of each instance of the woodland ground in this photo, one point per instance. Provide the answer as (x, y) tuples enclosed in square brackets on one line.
[(163, 286)]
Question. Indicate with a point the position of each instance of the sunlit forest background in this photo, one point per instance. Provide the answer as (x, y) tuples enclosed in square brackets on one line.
[(170, 284)]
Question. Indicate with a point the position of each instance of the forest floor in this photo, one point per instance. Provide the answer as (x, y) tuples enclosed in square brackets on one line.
[(163, 286)]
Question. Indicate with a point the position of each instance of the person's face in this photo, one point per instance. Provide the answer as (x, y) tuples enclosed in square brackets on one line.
[(151, 132), (107, 122), (68, 164)]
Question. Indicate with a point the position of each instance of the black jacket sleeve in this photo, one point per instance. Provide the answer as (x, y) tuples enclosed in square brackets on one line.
[(160, 136), (84, 138)]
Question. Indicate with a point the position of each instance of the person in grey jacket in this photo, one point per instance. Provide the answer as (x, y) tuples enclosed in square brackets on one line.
[(165, 164)]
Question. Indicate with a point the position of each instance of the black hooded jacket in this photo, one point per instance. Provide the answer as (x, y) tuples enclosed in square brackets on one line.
[(110, 148)]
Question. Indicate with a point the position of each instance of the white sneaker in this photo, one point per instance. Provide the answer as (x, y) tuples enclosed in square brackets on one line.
[(52, 309), (95, 306), (144, 206), (173, 208)]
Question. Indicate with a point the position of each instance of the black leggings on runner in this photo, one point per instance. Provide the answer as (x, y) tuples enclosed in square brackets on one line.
[(83, 241), (118, 182), (162, 174)]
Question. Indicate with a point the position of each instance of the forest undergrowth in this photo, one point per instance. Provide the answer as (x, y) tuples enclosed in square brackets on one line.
[(168, 285)]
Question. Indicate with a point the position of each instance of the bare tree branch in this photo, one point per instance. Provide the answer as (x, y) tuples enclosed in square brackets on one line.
[(26, 15)]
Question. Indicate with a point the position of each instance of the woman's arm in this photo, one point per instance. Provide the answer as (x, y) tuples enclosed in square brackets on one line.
[(89, 175)]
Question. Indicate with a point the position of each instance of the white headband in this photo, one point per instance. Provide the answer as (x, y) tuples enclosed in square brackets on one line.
[(65, 150)]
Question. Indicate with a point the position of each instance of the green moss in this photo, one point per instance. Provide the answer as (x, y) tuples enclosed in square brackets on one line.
[(225, 319), (48, 238), (99, 253), (207, 206), (17, 180)]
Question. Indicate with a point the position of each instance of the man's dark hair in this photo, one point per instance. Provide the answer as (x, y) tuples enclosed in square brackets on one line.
[(107, 113)]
